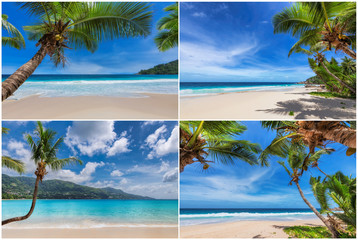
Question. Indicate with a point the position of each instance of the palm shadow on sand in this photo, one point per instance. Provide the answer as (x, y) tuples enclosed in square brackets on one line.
[(316, 108)]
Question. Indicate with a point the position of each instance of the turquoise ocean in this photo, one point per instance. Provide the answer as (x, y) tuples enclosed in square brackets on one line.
[(93, 213), (189, 216), (120, 85)]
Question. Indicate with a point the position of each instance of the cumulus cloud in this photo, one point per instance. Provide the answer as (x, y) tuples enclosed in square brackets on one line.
[(152, 138), (163, 167), (90, 138), (116, 173), (19, 150), (171, 176), (162, 146), (84, 176)]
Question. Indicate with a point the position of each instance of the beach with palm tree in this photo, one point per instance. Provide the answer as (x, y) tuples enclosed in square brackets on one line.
[(268, 179), (286, 61), (89, 56)]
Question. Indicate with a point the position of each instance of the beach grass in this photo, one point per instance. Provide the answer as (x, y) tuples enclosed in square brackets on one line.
[(307, 232), (331, 95)]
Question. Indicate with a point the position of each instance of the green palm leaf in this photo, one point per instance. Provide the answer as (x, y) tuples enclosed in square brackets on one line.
[(15, 38), (13, 164)]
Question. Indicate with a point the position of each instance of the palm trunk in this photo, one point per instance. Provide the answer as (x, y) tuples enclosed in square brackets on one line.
[(338, 79), (325, 82), (12, 83), (349, 52), (15, 219), (333, 231)]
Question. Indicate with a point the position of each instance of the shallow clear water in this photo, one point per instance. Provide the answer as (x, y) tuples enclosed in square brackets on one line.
[(93, 213), (212, 88), (96, 85), (204, 216)]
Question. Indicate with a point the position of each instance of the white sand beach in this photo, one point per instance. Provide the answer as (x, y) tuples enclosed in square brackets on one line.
[(152, 106), (259, 105), (107, 232), (244, 229)]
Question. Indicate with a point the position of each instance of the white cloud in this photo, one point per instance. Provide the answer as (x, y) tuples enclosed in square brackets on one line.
[(152, 138), (162, 146), (171, 176), (90, 138), (146, 123), (199, 14), (19, 150), (119, 146), (163, 167), (84, 176), (116, 173)]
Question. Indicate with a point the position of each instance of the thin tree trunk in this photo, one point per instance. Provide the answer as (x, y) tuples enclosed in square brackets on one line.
[(12, 83), (330, 228), (338, 79), (349, 52), (325, 82), (321, 171), (15, 219)]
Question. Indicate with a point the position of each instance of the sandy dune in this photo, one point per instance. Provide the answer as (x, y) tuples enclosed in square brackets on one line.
[(268, 105), (244, 229), (154, 106)]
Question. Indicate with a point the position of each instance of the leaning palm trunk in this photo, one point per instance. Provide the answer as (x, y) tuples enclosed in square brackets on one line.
[(15, 219), (12, 83), (337, 78), (333, 231), (349, 52)]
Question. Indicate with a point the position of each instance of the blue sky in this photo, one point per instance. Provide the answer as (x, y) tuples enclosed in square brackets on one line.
[(235, 42), (245, 186), (137, 157), (112, 57)]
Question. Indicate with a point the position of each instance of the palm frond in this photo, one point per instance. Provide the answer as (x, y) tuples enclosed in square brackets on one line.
[(13, 164)]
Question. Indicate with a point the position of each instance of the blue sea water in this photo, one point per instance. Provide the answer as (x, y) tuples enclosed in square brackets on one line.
[(93, 213), (205, 216), (122, 85), (212, 88)]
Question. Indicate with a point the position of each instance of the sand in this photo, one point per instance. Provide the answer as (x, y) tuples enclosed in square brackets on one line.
[(154, 106), (244, 229), (268, 105), (122, 232)]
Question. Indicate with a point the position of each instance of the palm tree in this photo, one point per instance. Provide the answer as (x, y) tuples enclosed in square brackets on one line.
[(66, 25), (44, 149), (348, 65), (168, 27), (317, 50), (9, 162), (314, 22), (15, 39), (200, 139), (313, 134), (297, 161), (341, 190)]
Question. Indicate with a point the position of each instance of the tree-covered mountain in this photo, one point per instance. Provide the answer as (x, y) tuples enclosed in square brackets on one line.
[(162, 69), (23, 187)]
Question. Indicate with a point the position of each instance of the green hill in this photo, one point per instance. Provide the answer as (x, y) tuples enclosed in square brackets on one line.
[(162, 69), (23, 187)]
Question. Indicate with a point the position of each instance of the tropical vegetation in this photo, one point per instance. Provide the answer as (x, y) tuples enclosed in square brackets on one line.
[(217, 140), (162, 69), (168, 28), (21, 188), (76, 25), (323, 27), (14, 38), (44, 148)]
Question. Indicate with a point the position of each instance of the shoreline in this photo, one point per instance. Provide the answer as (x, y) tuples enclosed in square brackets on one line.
[(105, 232), (244, 229), (288, 103), (151, 106)]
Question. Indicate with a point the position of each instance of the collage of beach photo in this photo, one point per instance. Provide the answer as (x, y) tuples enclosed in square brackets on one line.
[(178, 119)]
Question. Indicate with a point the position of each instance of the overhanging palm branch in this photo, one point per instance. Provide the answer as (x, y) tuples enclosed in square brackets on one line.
[(13, 164), (15, 38), (168, 27)]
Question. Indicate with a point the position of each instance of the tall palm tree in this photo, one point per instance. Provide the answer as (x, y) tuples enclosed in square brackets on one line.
[(313, 134), (314, 22), (15, 38), (9, 162), (339, 189), (168, 27), (66, 25), (296, 161), (44, 149), (217, 139)]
